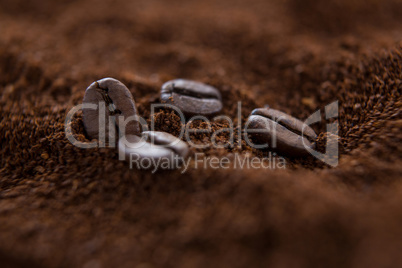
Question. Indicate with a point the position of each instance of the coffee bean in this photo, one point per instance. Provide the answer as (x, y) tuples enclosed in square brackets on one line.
[(154, 146), (118, 101), (192, 98), (292, 136)]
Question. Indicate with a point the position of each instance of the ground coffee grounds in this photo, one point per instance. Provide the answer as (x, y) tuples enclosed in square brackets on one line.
[(61, 206)]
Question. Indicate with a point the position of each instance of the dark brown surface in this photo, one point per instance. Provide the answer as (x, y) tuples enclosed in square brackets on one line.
[(61, 206)]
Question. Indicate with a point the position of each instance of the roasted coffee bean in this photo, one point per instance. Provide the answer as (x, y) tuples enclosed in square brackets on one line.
[(118, 101), (154, 147), (192, 98), (281, 132)]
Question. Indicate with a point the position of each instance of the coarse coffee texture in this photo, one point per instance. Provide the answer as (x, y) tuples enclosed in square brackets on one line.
[(62, 206)]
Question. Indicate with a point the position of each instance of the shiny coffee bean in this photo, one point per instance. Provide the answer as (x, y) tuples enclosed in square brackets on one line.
[(292, 136), (154, 146), (192, 98), (117, 101)]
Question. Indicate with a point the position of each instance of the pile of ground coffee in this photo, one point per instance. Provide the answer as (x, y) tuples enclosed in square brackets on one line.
[(61, 206)]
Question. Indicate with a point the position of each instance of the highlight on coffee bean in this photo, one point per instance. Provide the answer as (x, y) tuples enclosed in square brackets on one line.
[(279, 131), (191, 97)]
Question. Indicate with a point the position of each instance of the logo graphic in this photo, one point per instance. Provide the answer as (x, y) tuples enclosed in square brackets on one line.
[(112, 129), (331, 155)]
